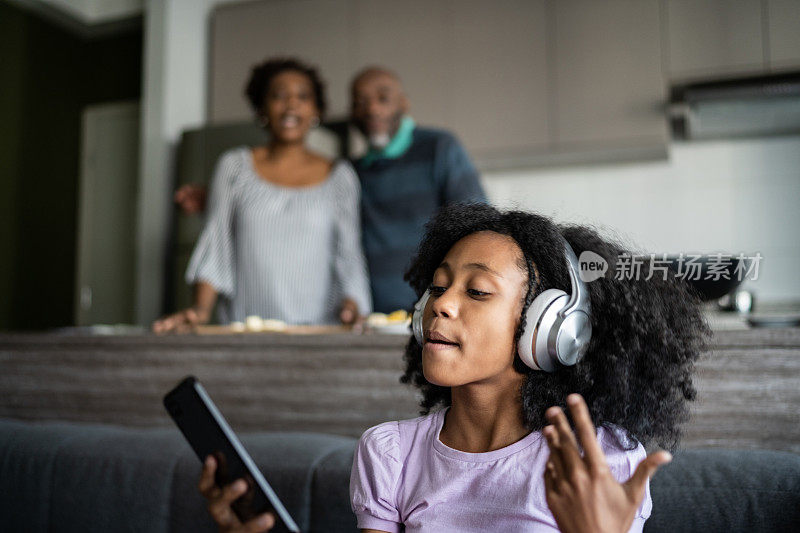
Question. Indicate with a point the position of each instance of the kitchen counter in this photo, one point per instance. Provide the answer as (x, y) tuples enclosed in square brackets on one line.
[(748, 383)]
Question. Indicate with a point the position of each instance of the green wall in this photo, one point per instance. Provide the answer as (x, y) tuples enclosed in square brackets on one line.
[(47, 76)]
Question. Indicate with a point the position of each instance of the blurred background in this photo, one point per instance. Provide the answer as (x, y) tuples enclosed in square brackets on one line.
[(674, 124)]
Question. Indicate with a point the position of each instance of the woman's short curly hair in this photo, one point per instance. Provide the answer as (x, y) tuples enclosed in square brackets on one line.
[(262, 74), (646, 334)]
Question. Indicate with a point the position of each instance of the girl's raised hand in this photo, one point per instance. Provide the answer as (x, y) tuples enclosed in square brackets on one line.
[(581, 492)]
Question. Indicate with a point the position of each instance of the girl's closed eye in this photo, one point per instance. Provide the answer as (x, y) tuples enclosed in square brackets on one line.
[(437, 290), (475, 293)]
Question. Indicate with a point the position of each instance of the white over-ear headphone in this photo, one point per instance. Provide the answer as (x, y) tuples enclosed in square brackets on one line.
[(558, 325)]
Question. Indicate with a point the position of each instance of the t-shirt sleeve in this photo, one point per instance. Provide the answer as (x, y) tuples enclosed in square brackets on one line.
[(459, 179), (622, 464), (213, 257), (374, 479)]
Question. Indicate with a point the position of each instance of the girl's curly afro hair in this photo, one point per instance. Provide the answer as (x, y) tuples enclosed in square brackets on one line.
[(646, 334), (262, 74)]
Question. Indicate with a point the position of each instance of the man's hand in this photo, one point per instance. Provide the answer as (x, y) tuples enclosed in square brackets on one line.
[(348, 313), (581, 492), (220, 500), (191, 199)]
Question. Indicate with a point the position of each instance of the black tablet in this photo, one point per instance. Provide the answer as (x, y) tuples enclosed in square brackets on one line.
[(208, 433)]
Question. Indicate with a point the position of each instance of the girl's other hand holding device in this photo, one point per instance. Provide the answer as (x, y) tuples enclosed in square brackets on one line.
[(220, 500)]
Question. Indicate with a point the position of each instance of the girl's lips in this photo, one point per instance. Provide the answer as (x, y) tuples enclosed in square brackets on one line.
[(438, 340), (439, 346)]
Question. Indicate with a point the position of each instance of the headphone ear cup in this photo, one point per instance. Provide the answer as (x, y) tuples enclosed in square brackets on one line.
[(539, 320), (416, 318)]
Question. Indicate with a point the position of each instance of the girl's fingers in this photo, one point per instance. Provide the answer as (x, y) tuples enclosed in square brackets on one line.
[(567, 443), (264, 522), (550, 485), (586, 433), (646, 469), (231, 492), (556, 458), (220, 507), (206, 484)]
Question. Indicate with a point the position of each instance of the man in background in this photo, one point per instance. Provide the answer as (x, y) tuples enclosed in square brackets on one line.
[(407, 174)]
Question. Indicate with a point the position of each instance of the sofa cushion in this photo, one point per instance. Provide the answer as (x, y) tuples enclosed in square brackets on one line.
[(330, 494), (82, 477), (69, 477), (727, 490), (288, 462)]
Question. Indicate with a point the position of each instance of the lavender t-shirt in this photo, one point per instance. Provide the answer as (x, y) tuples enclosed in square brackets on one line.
[(403, 475)]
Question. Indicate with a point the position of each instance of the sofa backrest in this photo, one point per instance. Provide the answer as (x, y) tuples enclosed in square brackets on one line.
[(80, 477), (712, 490)]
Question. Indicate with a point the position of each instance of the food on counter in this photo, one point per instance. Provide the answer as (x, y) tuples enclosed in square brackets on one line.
[(271, 324), (238, 327), (256, 323), (399, 317)]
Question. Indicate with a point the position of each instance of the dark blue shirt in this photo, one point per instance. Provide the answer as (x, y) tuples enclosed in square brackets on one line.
[(398, 196)]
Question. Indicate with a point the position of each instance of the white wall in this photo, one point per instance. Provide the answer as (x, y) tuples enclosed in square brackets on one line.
[(724, 196), (173, 99)]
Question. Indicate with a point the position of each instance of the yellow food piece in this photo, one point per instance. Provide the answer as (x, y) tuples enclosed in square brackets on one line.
[(398, 316), (377, 319)]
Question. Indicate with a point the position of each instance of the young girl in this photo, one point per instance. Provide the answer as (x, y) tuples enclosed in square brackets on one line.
[(478, 463)]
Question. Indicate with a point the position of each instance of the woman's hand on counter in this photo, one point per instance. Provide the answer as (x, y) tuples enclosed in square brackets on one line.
[(220, 499), (182, 321)]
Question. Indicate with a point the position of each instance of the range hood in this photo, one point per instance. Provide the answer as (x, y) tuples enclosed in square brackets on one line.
[(746, 107)]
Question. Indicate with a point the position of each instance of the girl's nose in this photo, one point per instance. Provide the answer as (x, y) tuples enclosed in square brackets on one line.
[(445, 305)]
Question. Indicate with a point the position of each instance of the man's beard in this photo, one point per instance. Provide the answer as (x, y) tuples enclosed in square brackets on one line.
[(382, 140), (379, 140)]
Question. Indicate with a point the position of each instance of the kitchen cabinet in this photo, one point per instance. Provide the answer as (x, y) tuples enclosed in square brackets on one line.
[(712, 38), (500, 91), (243, 35), (609, 89), (413, 38), (783, 24)]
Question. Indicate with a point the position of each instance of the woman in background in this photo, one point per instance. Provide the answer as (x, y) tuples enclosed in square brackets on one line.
[(282, 239)]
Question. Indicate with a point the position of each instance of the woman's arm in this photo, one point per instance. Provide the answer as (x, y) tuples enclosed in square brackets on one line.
[(211, 267), (205, 296), (349, 263), (581, 492)]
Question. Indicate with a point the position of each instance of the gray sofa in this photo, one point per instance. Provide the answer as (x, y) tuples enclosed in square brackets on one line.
[(79, 477)]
